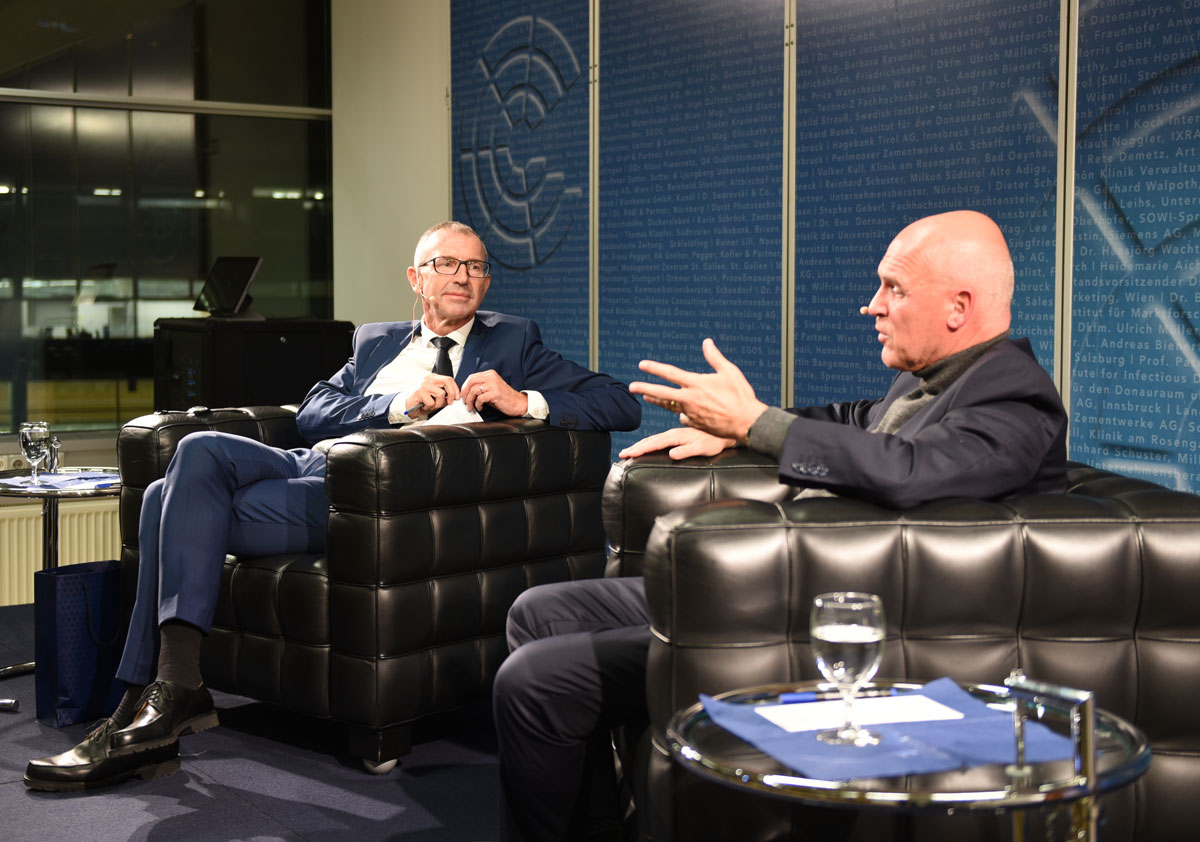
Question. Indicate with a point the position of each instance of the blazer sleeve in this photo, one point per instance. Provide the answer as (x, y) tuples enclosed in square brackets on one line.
[(336, 407), (992, 433), (578, 398)]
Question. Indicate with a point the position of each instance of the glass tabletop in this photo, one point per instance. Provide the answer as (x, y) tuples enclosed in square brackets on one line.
[(1122, 754), (85, 488)]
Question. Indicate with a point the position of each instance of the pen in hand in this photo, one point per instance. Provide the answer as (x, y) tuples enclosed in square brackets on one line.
[(420, 405)]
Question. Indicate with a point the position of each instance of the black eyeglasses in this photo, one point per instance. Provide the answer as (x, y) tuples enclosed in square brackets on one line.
[(449, 266)]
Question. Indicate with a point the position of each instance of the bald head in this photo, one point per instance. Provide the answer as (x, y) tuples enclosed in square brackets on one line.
[(946, 283), (965, 250)]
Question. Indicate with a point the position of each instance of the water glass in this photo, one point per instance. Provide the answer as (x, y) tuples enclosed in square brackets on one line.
[(847, 631), (34, 438)]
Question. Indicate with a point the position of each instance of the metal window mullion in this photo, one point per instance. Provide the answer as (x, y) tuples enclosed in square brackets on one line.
[(787, 374), (594, 186), (1068, 60)]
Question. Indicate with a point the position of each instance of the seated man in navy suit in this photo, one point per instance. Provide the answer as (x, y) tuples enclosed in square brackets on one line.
[(224, 493), (971, 413)]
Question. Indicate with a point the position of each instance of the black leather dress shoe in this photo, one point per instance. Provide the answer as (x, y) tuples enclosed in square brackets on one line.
[(165, 712), (90, 764)]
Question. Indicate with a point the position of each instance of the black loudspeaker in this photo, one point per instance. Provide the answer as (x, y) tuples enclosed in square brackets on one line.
[(218, 362)]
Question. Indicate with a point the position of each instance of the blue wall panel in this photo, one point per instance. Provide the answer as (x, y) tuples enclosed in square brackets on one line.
[(691, 139), (1136, 350), (520, 170), (904, 110)]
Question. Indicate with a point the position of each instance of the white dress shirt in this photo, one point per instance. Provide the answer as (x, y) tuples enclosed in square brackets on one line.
[(403, 375)]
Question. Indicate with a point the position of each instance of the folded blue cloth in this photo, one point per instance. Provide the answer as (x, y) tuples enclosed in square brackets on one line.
[(983, 735)]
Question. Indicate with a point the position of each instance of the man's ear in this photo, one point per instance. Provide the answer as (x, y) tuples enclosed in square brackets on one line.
[(412, 278), (960, 310)]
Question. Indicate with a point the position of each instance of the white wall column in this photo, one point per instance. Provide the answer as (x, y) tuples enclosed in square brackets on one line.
[(391, 147)]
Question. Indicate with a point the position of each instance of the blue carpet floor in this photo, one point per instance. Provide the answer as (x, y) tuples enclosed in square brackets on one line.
[(263, 775)]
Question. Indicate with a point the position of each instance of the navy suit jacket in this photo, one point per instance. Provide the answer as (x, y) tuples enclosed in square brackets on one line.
[(577, 398), (998, 429)]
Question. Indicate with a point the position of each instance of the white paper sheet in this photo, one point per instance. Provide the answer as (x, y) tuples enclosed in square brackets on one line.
[(874, 710), (454, 413)]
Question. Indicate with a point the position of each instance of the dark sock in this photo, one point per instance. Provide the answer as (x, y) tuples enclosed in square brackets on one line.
[(125, 711), (179, 654)]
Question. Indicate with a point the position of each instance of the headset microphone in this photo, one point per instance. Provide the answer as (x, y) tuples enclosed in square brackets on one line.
[(863, 310)]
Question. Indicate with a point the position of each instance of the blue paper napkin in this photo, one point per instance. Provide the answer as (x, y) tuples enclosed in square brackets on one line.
[(983, 735)]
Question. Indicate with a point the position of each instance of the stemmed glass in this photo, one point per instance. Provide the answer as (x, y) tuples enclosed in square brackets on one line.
[(34, 437), (847, 632)]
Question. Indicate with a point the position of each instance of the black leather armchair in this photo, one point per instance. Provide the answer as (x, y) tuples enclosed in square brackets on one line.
[(1096, 588), (432, 533)]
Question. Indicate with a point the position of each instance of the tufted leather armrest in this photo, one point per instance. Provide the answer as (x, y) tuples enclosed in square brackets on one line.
[(639, 490), (146, 444)]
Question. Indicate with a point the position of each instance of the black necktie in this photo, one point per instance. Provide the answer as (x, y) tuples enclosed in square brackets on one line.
[(442, 364)]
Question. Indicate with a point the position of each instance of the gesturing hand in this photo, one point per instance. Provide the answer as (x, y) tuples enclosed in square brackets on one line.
[(722, 404)]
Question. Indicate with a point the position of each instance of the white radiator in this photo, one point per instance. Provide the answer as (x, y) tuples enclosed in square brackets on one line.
[(88, 530)]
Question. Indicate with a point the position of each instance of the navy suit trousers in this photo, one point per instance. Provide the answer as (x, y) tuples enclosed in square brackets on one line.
[(221, 494), (577, 669)]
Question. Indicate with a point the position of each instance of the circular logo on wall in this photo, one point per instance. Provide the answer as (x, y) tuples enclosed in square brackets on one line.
[(519, 198)]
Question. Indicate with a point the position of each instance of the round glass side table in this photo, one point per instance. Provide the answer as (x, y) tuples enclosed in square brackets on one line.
[(1121, 755)]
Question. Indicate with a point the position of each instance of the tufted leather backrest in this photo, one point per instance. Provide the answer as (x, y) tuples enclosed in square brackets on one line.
[(1096, 588)]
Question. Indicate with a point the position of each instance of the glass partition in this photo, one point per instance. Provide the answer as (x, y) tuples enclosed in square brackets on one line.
[(110, 216)]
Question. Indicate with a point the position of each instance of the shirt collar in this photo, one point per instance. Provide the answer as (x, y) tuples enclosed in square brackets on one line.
[(459, 336)]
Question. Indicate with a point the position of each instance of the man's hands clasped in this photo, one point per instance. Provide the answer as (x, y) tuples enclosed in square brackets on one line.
[(487, 388), (483, 388)]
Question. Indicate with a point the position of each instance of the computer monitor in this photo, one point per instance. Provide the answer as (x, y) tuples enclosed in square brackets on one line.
[(226, 291)]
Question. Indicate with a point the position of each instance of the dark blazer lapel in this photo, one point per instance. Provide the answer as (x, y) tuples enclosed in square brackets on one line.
[(386, 349)]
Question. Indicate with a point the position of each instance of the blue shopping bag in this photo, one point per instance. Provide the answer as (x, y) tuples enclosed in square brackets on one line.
[(77, 642)]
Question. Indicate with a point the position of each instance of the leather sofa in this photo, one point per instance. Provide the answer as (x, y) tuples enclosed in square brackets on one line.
[(432, 533), (1098, 588)]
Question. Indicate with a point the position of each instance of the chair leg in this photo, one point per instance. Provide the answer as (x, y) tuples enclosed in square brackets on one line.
[(379, 748)]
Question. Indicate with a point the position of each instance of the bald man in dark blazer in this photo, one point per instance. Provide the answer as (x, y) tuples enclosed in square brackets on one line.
[(971, 414)]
